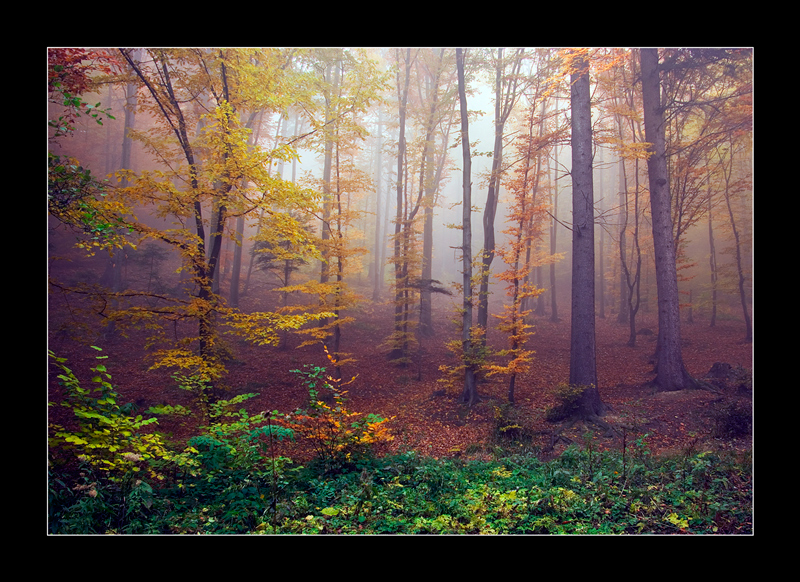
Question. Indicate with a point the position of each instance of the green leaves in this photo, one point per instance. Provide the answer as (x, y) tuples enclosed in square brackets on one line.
[(106, 438), (77, 200)]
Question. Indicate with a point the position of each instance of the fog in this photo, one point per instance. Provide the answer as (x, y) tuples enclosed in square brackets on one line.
[(100, 147)]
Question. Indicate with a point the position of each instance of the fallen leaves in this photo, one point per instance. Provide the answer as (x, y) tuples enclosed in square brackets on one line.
[(432, 420)]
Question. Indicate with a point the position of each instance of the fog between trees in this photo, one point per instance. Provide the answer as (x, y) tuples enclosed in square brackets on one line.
[(279, 191)]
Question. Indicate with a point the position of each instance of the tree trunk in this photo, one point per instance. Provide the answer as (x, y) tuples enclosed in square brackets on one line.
[(470, 393), (377, 271), (712, 265), (501, 109), (237, 262), (553, 237), (671, 373), (399, 341), (506, 92), (583, 367), (327, 168), (601, 265), (425, 313), (623, 314), (738, 250)]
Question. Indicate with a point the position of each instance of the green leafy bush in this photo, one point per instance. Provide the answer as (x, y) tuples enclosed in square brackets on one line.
[(339, 436), (573, 494), (106, 437), (115, 452)]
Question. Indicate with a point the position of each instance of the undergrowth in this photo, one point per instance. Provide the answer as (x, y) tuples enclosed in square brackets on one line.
[(229, 480)]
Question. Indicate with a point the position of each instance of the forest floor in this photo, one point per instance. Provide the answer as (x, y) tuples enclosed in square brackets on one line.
[(428, 418)]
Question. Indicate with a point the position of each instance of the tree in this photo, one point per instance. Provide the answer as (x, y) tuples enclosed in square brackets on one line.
[(707, 101), (525, 217), (629, 149), (734, 186), (194, 96), (75, 197), (439, 114), (350, 83), (671, 374), (470, 392), (583, 367), (403, 219), (507, 91)]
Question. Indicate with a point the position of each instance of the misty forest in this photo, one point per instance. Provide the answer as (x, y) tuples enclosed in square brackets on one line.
[(400, 290)]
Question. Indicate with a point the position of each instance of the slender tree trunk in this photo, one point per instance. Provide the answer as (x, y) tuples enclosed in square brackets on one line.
[(425, 313), (327, 168), (583, 367), (400, 279), (623, 314), (505, 96), (237, 262), (119, 258), (377, 271), (470, 393), (601, 275), (738, 250), (553, 237), (712, 265), (490, 211), (634, 286), (671, 373)]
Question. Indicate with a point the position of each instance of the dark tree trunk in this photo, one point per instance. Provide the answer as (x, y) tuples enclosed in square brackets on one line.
[(671, 373), (583, 368), (470, 393)]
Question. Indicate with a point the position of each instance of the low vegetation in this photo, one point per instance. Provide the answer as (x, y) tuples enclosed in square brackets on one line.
[(112, 472)]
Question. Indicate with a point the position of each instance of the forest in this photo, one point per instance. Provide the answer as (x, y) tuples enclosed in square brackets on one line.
[(393, 290)]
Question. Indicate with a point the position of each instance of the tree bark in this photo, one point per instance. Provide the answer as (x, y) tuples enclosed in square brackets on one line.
[(671, 373), (583, 367), (377, 271), (470, 393), (748, 337), (505, 97), (425, 313), (553, 236), (400, 278)]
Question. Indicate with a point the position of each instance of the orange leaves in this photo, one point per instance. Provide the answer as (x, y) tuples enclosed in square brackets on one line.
[(336, 433)]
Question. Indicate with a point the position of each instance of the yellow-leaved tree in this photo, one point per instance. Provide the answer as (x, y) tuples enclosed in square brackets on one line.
[(208, 169), (347, 83)]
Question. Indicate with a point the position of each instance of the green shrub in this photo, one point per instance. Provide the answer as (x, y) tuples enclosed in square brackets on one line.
[(114, 451), (107, 437), (339, 436), (510, 434)]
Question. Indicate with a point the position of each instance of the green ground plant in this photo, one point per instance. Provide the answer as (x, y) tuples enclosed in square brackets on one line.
[(340, 437), (230, 479)]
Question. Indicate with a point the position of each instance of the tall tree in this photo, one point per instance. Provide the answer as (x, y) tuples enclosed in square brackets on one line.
[(399, 341), (350, 82), (582, 363), (430, 177), (733, 186), (525, 221), (470, 392), (629, 149), (377, 254), (671, 373), (204, 88), (507, 91)]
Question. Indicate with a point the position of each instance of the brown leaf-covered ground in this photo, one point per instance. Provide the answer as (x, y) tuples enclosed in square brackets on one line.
[(430, 420)]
